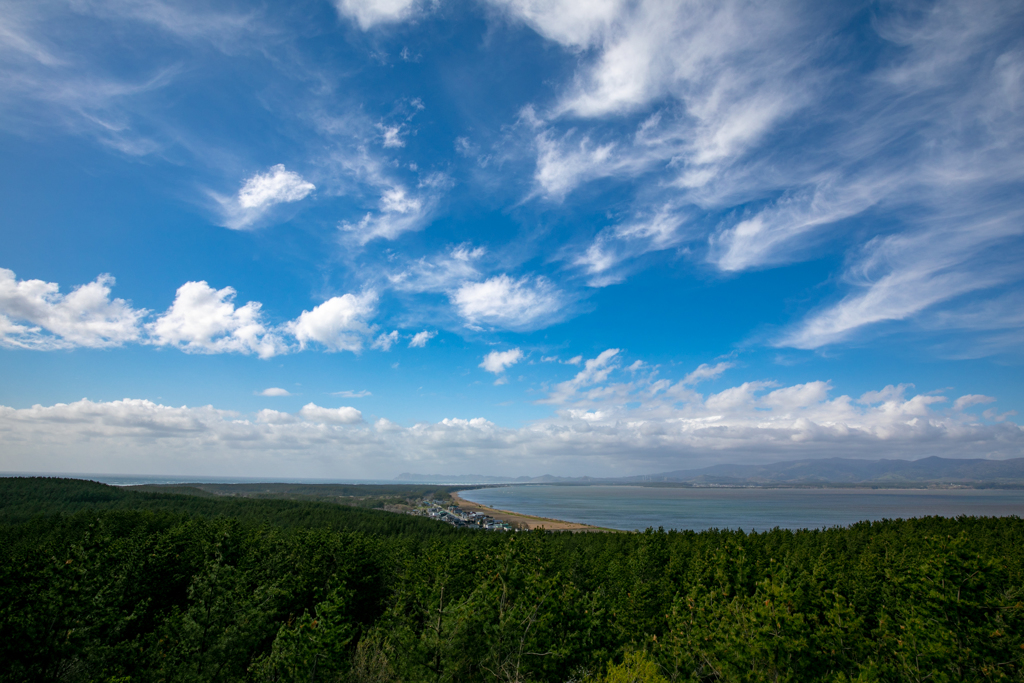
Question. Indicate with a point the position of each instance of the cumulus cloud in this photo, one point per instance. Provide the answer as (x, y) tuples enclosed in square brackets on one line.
[(420, 339), (262, 192), (205, 320), (274, 417), (343, 415), (275, 391), (201, 319), (276, 186), (339, 323), (35, 315), (503, 302), (498, 361), (658, 426)]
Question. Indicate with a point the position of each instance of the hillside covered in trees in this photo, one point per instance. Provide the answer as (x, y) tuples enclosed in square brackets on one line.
[(100, 584)]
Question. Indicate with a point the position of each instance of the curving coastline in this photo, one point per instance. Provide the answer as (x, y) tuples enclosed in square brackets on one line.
[(527, 521)]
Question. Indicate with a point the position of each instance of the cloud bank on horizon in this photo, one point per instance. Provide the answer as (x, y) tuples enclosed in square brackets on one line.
[(481, 209), (604, 411)]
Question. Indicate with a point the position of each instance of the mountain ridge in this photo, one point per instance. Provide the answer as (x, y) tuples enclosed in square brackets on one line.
[(845, 471)]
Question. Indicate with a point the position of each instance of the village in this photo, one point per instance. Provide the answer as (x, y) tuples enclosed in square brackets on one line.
[(456, 516)]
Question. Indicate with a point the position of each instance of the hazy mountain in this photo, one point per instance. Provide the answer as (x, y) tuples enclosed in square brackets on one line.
[(932, 470), (849, 471), (470, 479)]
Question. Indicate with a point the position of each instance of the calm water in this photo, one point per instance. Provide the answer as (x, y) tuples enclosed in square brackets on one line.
[(638, 507)]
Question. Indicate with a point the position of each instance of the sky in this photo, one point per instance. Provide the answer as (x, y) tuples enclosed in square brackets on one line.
[(358, 238)]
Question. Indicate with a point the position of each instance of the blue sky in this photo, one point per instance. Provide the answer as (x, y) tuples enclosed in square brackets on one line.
[(366, 237)]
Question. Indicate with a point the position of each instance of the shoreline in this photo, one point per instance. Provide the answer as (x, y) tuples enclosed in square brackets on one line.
[(529, 521)]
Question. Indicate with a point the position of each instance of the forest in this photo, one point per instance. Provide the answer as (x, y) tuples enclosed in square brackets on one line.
[(99, 584)]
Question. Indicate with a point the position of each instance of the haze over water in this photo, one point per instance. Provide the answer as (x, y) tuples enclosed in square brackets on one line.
[(750, 509)]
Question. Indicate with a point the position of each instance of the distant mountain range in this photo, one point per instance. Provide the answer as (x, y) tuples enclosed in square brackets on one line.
[(843, 471)]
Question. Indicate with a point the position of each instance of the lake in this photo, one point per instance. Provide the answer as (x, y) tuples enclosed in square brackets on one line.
[(639, 507)]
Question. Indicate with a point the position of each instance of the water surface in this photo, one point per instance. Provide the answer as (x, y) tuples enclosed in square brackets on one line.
[(639, 507)]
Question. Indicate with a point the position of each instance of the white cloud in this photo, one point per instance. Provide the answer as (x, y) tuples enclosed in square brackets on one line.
[(714, 87), (260, 193), (274, 417), (735, 68), (901, 275), (276, 186), (352, 394), (503, 302), (399, 210), (498, 361), (564, 163), (226, 31), (441, 272), (575, 360), (615, 428), (420, 339), (705, 372), (204, 320), (35, 315), (392, 136), (338, 324), (773, 235), (569, 22), (201, 319), (371, 13), (603, 258), (595, 370), (275, 391), (384, 342), (969, 400), (52, 84), (344, 415)]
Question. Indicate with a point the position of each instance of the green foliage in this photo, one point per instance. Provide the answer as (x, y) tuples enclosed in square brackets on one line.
[(359, 495), (313, 647), (25, 498), (636, 667), (101, 585)]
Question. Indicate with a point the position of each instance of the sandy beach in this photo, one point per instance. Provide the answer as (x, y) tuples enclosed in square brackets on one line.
[(524, 520)]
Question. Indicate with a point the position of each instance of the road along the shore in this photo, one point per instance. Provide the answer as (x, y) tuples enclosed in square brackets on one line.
[(526, 521)]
